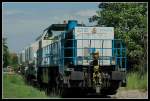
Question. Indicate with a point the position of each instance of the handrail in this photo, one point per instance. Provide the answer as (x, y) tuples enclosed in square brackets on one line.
[(61, 58)]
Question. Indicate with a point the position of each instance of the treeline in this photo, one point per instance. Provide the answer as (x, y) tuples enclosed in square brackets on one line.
[(9, 59), (130, 23)]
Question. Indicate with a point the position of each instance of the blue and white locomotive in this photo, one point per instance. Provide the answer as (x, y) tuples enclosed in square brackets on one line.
[(73, 55)]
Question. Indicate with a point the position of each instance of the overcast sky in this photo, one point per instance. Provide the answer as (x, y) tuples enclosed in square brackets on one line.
[(22, 23)]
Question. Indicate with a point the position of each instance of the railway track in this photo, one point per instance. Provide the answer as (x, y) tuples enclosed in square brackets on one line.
[(122, 93)]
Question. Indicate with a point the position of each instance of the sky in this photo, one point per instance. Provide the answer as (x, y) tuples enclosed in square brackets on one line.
[(22, 23)]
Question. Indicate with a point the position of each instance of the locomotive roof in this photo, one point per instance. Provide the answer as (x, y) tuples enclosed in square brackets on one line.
[(55, 27), (59, 27)]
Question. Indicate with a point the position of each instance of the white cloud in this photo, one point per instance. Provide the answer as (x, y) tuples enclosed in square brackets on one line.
[(86, 13)]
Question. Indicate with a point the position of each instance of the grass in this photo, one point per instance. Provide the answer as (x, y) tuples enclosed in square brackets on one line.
[(15, 87), (134, 81)]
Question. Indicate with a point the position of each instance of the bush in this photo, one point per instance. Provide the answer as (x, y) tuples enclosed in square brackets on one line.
[(135, 81)]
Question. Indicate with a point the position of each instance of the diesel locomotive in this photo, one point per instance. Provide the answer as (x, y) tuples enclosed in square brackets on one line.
[(72, 55)]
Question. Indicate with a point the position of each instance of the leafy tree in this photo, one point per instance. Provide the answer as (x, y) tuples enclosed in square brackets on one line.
[(130, 23), (14, 58), (6, 59)]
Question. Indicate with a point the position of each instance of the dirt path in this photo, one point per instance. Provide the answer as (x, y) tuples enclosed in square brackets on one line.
[(135, 94)]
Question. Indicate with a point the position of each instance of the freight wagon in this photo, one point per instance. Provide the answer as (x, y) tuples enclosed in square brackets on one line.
[(73, 55)]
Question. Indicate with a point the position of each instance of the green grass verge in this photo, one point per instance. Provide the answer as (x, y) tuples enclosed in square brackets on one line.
[(15, 87), (134, 81)]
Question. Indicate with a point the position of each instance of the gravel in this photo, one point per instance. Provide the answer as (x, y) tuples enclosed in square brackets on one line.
[(134, 94)]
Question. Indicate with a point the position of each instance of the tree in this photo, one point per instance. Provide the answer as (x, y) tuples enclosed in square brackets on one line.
[(14, 58), (6, 59), (14, 61), (130, 23)]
